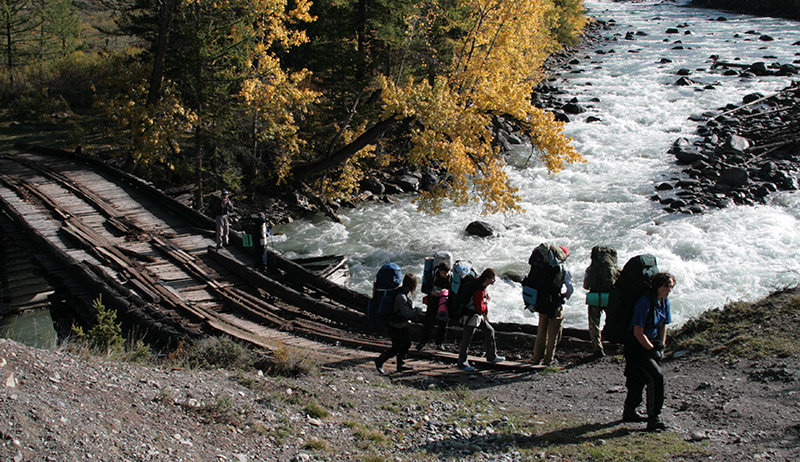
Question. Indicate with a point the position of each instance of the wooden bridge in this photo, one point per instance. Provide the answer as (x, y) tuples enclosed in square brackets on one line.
[(95, 231)]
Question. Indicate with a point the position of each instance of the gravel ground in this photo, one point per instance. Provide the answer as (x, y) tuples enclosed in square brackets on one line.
[(57, 406)]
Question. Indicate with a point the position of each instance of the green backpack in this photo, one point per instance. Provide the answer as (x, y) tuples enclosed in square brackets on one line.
[(602, 273)]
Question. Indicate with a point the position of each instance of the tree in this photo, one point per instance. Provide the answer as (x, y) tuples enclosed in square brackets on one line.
[(60, 25), (487, 67), (18, 22), (320, 94), (220, 61)]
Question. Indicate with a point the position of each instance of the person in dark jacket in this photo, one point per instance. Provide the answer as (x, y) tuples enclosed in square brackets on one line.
[(402, 314), (550, 307), (260, 247), (440, 287), (645, 350)]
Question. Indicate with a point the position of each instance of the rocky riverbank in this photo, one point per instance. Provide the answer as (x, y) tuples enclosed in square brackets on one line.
[(745, 153), (777, 8)]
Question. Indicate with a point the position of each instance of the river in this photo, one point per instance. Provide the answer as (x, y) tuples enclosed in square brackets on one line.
[(738, 253)]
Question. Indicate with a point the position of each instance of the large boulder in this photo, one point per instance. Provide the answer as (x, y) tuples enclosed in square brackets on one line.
[(733, 177), (480, 229), (573, 108), (408, 183), (428, 181), (759, 69), (736, 144), (689, 155), (373, 185)]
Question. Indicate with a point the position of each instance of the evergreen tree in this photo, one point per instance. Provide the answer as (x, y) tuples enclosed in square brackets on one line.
[(18, 23)]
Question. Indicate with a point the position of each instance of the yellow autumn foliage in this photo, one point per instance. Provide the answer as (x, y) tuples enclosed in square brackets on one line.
[(494, 71), (149, 135)]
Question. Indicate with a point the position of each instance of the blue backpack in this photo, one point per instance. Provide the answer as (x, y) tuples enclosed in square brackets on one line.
[(462, 287), (381, 305)]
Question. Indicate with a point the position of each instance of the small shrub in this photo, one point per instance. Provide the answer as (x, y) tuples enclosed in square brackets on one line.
[(316, 444), (139, 352), (314, 409), (222, 410), (105, 337), (289, 362), (375, 436), (221, 353)]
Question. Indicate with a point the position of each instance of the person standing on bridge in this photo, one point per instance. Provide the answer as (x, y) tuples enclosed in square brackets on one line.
[(264, 229), (403, 312), (221, 208)]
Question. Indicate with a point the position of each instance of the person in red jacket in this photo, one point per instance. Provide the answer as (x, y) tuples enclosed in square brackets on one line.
[(476, 315)]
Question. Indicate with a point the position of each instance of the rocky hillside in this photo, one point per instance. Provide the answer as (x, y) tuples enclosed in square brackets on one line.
[(731, 395)]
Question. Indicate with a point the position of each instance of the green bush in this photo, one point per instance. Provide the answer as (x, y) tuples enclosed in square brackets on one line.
[(289, 362), (218, 352), (105, 336)]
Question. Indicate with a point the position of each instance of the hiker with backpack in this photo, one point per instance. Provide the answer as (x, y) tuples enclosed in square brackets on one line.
[(644, 350), (403, 311), (476, 315), (434, 317), (599, 279), (548, 285), (220, 208)]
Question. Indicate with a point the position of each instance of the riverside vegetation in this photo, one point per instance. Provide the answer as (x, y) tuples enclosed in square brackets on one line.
[(731, 378), (252, 95)]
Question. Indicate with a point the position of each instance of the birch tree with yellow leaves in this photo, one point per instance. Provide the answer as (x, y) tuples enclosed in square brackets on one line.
[(261, 92), (218, 63), (496, 61)]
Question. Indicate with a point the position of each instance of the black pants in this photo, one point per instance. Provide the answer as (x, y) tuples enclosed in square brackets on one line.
[(642, 371), (401, 342), (260, 255), (431, 321)]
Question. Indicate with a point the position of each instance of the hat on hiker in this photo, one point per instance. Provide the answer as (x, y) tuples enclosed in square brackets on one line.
[(566, 251)]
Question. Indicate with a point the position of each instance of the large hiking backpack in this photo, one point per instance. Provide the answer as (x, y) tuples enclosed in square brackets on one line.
[(429, 269), (381, 305), (634, 281), (461, 289), (541, 288), (457, 301), (462, 270), (601, 275)]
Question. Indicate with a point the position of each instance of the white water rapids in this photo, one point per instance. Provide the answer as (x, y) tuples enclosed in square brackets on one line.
[(738, 253)]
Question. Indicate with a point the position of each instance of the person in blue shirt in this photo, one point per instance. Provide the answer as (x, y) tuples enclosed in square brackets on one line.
[(645, 350)]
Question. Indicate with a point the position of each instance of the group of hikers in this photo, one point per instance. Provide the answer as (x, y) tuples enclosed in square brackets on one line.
[(635, 299)]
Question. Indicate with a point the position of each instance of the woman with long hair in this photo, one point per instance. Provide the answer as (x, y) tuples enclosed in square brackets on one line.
[(403, 312)]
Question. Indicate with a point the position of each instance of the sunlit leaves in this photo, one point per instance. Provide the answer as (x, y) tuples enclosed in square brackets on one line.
[(493, 72), (149, 135)]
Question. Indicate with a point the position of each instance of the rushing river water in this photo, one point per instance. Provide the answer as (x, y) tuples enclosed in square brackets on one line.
[(739, 253)]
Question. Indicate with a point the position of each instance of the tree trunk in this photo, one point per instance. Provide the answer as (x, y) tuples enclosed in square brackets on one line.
[(317, 169), (165, 15)]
